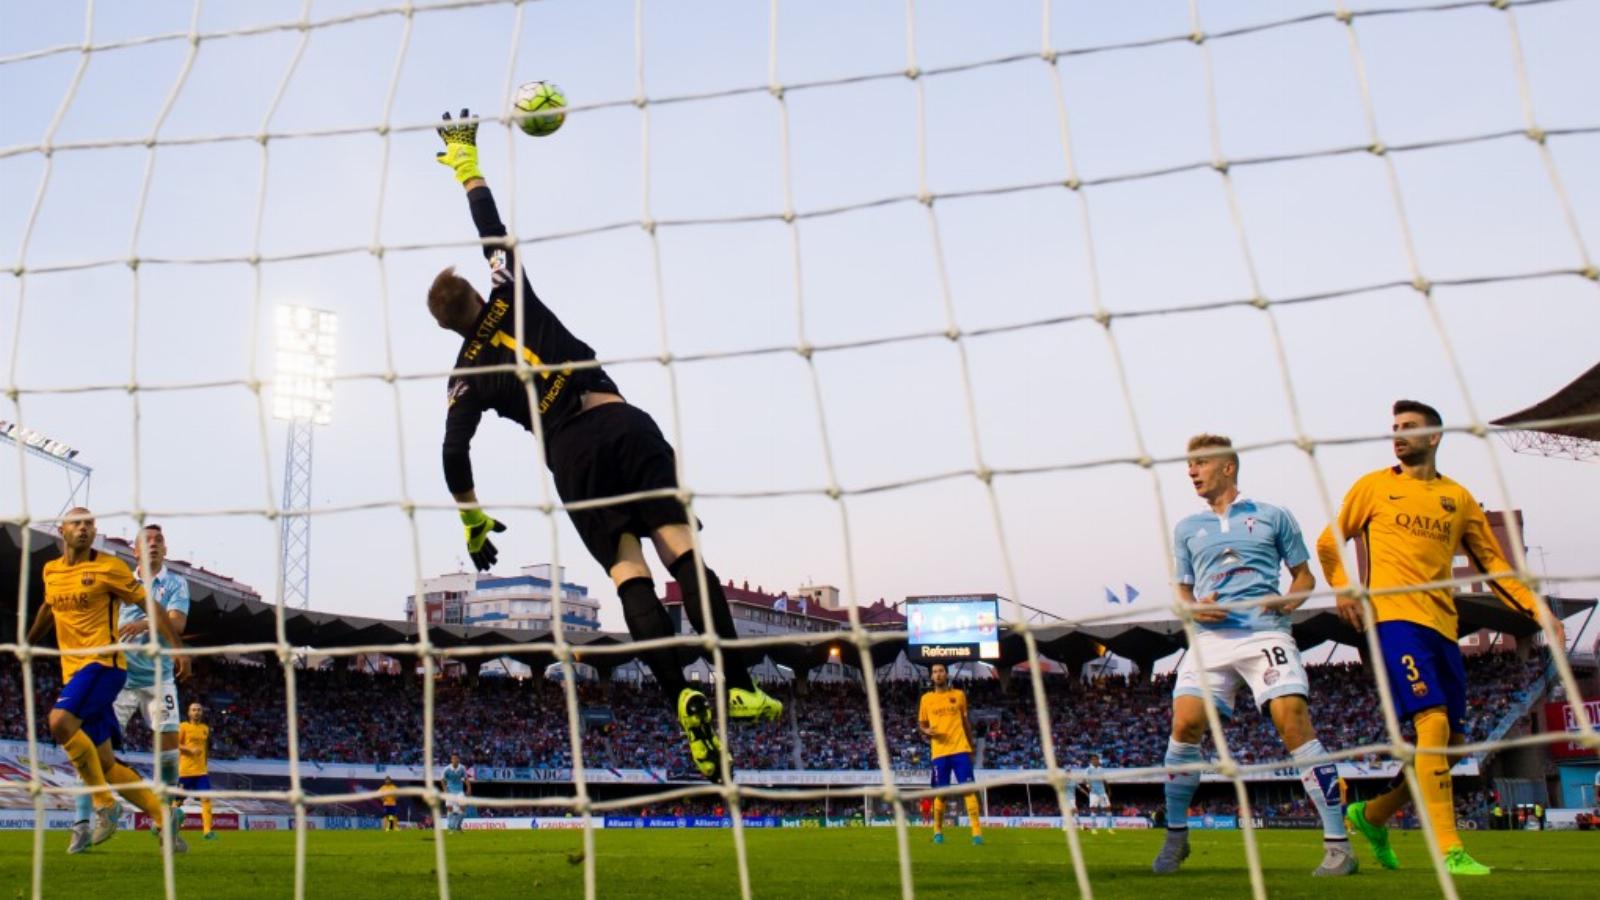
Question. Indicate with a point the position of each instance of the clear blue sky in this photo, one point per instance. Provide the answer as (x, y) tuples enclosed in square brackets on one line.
[(1045, 396)]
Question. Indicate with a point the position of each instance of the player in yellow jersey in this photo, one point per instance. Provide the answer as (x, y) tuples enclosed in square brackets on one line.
[(942, 719), (1412, 521), (391, 805), (194, 767), (84, 590)]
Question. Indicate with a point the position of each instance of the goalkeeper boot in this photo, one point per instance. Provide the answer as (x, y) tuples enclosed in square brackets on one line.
[(1337, 859), (80, 838), (1173, 853), (756, 704), (1355, 816), (1458, 862), (106, 820), (694, 714)]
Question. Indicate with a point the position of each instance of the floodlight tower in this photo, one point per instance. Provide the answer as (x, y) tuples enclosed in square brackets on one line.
[(303, 396)]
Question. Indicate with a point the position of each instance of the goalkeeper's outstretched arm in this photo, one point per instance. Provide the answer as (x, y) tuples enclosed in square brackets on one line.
[(460, 154)]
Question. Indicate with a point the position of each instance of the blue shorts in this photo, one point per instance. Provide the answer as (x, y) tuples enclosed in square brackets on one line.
[(90, 695), (1425, 670), (195, 782), (952, 768)]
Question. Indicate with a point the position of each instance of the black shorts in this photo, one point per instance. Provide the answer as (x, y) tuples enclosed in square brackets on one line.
[(611, 450)]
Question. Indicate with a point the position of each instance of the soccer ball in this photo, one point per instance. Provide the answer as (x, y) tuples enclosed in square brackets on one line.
[(540, 97)]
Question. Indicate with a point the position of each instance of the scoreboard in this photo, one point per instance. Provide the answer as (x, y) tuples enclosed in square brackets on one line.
[(953, 628)]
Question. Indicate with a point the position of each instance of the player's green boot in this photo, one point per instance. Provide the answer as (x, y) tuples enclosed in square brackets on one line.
[(1457, 862), (756, 704), (1355, 816), (694, 714)]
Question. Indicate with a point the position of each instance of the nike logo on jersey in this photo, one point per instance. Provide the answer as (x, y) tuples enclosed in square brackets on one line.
[(1397, 496)]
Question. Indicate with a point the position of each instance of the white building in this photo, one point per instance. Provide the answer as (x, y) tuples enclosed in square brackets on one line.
[(444, 598), (523, 602)]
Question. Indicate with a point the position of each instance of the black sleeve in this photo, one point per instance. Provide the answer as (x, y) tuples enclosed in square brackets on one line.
[(486, 216), (503, 258), (460, 424)]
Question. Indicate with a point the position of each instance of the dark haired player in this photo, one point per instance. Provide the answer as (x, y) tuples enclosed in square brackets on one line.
[(942, 719), (597, 446), (1411, 520)]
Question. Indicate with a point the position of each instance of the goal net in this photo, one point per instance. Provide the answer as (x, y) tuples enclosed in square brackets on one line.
[(922, 295)]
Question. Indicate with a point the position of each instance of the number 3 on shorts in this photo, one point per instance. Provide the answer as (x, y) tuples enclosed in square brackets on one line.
[(1410, 662)]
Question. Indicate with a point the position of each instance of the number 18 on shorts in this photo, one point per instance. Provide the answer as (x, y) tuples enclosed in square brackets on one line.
[(1267, 661)]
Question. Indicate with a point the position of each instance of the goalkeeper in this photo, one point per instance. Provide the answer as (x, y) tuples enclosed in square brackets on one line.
[(596, 444)]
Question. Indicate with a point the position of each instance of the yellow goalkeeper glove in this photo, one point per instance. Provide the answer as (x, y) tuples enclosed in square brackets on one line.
[(460, 147), (478, 525)]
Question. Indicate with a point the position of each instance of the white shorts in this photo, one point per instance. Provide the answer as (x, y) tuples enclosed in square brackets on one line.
[(454, 803), (161, 709), (1268, 661), (1099, 801)]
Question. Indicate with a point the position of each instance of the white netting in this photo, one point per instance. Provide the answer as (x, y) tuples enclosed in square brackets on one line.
[(1091, 311)]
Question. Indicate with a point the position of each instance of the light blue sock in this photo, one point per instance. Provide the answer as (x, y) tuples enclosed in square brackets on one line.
[(1321, 782), (169, 768), (1181, 785), (85, 808)]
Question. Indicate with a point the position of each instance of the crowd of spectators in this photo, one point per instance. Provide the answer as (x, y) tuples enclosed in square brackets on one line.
[(348, 716)]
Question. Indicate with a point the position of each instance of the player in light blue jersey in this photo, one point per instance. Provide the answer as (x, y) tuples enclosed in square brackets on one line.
[(457, 785), (1231, 554), (1099, 797), (156, 697)]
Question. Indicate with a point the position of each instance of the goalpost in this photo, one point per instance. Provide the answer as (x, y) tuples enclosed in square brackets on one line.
[(24, 393)]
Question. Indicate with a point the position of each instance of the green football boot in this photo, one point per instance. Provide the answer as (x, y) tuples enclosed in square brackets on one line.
[(1457, 862), (1355, 816), (694, 714), (756, 704)]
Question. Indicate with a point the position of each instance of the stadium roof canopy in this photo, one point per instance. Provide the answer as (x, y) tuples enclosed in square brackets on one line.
[(223, 612), (1577, 440)]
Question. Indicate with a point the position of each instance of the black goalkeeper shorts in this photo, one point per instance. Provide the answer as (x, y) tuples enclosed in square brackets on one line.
[(611, 450)]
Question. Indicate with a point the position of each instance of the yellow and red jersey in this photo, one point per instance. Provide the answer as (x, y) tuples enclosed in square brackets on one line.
[(1411, 530), (85, 598), (194, 745), (946, 714)]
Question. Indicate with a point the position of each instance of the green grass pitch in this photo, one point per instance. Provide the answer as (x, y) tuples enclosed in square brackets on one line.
[(846, 862)]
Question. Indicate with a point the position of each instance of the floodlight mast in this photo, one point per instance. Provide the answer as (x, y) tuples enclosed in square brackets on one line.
[(31, 443), (303, 397)]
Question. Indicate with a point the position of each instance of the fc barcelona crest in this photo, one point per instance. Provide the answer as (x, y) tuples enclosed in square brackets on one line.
[(1418, 688), (1448, 503)]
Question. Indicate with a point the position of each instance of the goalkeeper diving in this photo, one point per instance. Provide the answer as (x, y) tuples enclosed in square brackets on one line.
[(597, 446)]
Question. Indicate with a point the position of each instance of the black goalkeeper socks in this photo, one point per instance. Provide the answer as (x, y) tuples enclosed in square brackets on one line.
[(647, 619), (737, 661)]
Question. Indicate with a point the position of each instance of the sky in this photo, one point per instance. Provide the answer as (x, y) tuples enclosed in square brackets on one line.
[(1043, 397)]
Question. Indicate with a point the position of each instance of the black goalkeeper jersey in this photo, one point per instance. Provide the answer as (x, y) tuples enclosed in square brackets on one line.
[(544, 341)]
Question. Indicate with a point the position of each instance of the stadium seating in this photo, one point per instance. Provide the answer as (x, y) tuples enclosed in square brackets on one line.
[(358, 717)]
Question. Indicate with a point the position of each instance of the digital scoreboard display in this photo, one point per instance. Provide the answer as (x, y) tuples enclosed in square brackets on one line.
[(953, 629)]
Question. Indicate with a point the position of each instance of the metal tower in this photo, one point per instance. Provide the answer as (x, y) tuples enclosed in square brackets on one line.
[(295, 525), (302, 396)]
